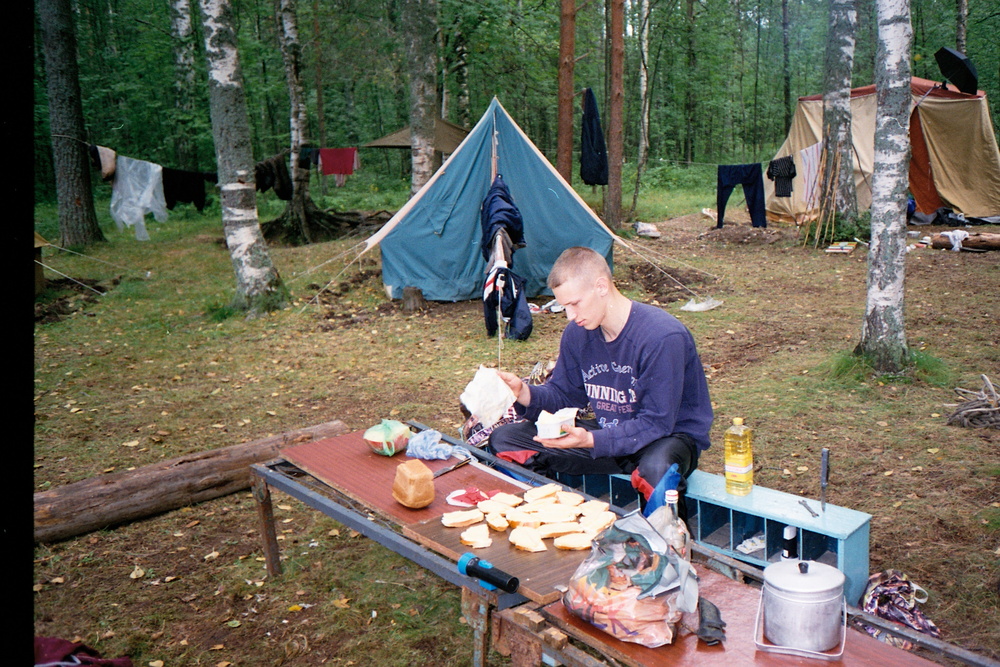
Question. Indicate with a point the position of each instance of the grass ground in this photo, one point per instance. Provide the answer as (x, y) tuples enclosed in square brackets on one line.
[(151, 371)]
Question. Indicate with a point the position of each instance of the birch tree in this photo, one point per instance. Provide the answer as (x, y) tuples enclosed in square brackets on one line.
[(182, 34), (419, 20), (77, 218), (883, 335), (258, 286), (839, 194)]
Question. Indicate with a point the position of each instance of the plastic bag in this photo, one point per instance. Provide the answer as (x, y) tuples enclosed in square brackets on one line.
[(892, 596), (632, 586)]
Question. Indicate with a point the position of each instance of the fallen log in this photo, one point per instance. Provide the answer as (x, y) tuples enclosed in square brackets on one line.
[(975, 241), (109, 500)]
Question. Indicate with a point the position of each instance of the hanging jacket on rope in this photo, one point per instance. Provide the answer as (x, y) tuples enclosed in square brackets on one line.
[(499, 212), (507, 288), (593, 152)]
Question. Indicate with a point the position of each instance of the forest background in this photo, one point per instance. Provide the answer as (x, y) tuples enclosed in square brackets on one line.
[(717, 74)]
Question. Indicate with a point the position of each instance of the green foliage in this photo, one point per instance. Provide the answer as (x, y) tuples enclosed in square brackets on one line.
[(858, 228), (848, 369)]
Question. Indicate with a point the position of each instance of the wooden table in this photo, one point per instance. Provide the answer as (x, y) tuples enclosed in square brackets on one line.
[(345, 480)]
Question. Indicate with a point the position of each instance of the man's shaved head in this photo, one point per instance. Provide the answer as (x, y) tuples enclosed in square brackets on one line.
[(578, 263)]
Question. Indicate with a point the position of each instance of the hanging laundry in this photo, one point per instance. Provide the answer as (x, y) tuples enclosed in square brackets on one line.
[(339, 162), (103, 159), (185, 187), (506, 288), (136, 191), (810, 158), (498, 213), (782, 171), (593, 152), (751, 178), (273, 173)]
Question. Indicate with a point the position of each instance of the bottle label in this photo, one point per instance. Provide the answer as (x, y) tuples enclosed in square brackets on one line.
[(738, 470)]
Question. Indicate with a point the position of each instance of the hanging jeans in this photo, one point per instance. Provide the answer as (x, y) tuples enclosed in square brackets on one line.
[(752, 180)]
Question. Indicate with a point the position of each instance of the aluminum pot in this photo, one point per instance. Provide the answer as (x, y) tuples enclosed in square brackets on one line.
[(803, 604)]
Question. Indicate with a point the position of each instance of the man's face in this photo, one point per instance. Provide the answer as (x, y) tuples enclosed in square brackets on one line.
[(584, 302)]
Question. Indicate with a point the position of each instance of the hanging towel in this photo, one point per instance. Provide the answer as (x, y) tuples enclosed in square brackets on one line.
[(782, 171), (810, 158), (103, 159), (338, 160), (751, 178), (137, 190), (593, 152)]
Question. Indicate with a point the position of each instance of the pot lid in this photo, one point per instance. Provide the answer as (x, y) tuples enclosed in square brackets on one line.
[(803, 576)]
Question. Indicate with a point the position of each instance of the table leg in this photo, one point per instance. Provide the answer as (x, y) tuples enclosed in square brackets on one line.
[(265, 516), (476, 610)]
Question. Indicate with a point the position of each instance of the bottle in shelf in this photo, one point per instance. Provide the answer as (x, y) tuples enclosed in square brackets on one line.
[(666, 520), (789, 549), (739, 458)]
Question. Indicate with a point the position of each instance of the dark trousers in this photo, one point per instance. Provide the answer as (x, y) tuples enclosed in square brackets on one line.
[(751, 178), (646, 466)]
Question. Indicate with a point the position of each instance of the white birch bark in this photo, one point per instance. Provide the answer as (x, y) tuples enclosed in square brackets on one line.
[(182, 33), (420, 20), (258, 285), (883, 335), (839, 193), (291, 53)]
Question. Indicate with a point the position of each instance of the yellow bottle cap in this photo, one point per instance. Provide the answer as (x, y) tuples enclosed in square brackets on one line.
[(737, 421)]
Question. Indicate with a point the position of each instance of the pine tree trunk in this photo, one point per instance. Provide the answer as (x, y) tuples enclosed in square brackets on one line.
[(883, 334), (839, 194), (613, 202), (258, 286), (420, 20), (182, 32), (77, 218), (567, 65), (786, 64)]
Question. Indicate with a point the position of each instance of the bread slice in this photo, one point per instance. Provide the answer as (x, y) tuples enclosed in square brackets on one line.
[(593, 507), (574, 541), (568, 498), (526, 539), (555, 514), (508, 499), (595, 523), (492, 506), (516, 518), (547, 530), (497, 522), (537, 492), (477, 536), (461, 518)]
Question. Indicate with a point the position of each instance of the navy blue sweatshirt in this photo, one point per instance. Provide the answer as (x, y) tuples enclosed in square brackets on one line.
[(646, 384)]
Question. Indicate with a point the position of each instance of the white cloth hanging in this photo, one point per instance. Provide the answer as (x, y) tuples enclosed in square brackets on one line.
[(137, 190)]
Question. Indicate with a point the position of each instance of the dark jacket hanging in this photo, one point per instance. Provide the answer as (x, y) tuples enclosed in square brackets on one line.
[(593, 153)]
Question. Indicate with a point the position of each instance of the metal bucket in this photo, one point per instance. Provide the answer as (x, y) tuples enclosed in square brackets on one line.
[(803, 605)]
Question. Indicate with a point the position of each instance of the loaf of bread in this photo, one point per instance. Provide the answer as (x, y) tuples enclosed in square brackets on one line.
[(414, 484)]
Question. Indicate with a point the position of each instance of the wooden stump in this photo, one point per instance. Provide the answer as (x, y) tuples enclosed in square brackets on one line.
[(413, 300)]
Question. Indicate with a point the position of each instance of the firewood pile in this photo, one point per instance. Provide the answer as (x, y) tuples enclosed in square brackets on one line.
[(978, 409)]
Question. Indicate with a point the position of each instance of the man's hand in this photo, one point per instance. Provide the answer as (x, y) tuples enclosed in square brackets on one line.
[(576, 437), (521, 390)]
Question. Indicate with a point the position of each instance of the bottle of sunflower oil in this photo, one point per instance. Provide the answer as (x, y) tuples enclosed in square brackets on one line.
[(739, 458)]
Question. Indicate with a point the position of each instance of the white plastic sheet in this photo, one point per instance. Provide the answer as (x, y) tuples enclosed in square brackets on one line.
[(137, 190)]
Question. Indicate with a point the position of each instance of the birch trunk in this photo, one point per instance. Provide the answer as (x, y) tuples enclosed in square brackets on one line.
[(182, 33), (299, 208), (883, 335), (839, 194), (420, 20), (258, 285), (77, 218), (961, 24), (643, 101)]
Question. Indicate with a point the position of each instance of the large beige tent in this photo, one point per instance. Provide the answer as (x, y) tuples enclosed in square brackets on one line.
[(447, 137), (955, 161)]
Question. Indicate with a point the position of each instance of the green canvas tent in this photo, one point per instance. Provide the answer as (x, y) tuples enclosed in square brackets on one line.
[(433, 241), (447, 137)]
